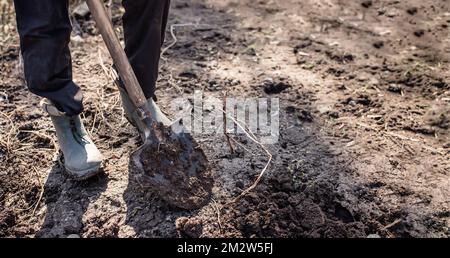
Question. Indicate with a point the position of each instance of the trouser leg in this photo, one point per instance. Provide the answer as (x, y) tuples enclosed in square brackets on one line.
[(144, 24), (44, 29)]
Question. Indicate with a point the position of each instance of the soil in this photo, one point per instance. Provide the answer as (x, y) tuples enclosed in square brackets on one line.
[(174, 166), (364, 143)]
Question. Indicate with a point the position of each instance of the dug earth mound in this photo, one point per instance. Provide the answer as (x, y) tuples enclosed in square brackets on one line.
[(174, 166)]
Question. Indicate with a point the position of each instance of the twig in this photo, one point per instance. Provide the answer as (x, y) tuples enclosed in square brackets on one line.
[(392, 224), (218, 210), (174, 37), (41, 135), (227, 136), (109, 74), (250, 135), (41, 193), (12, 131), (242, 146), (392, 134), (263, 171), (93, 123), (170, 79), (402, 145)]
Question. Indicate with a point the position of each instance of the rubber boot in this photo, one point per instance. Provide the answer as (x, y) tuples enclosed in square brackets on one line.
[(81, 158), (132, 116)]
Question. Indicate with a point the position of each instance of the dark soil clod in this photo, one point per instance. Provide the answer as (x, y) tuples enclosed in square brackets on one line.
[(174, 167), (275, 87), (412, 10)]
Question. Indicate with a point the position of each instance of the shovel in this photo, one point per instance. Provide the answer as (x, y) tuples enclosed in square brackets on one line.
[(171, 164)]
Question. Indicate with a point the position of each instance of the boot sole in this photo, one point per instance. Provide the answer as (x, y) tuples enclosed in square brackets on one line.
[(75, 175)]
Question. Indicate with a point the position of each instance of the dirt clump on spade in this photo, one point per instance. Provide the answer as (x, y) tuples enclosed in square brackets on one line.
[(175, 167)]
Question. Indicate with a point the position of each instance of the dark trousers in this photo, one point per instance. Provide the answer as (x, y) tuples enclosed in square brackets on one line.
[(44, 29)]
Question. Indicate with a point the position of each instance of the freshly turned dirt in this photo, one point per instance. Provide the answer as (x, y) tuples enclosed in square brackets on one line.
[(364, 143), (189, 227), (175, 167)]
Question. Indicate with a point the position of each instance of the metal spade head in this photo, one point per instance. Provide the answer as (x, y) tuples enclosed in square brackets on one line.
[(174, 166)]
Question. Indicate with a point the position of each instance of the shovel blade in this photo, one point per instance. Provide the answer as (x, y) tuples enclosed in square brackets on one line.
[(175, 167)]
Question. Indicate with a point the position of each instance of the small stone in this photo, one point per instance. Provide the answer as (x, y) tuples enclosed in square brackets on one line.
[(188, 73), (374, 81), (395, 88), (333, 114), (73, 236), (275, 87), (190, 227), (362, 77), (391, 13), (367, 3), (378, 44), (77, 39), (412, 11), (419, 33), (303, 44), (373, 236), (3, 97)]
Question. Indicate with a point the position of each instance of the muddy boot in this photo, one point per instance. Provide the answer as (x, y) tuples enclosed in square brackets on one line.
[(132, 116), (81, 158)]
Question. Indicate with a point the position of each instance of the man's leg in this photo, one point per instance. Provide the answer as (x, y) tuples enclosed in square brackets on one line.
[(144, 25), (44, 28)]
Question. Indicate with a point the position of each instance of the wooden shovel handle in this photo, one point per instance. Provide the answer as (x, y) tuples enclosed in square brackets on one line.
[(118, 55)]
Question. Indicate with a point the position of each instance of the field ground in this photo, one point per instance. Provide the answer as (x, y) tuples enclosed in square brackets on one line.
[(364, 130)]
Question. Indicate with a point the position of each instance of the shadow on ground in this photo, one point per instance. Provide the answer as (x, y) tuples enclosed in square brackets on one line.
[(67, 201)]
